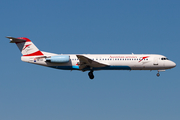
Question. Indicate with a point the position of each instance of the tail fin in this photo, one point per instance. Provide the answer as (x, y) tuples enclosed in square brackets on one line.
[(26, 47)]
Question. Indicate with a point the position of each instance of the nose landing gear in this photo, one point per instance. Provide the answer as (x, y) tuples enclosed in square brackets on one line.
[(91, 76), (159, 71), (158, 74)]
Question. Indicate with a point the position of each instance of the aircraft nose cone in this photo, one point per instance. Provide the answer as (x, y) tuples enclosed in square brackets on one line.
[(173, 64), (170, 64)]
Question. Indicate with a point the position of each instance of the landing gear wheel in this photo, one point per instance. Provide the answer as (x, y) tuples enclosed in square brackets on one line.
[(158, 74), (91, 76)]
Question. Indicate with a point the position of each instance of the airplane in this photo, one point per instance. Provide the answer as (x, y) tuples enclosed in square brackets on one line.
[(91, 62)]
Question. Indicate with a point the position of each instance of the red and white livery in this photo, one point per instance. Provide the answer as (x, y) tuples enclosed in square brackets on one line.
[(91, 62)]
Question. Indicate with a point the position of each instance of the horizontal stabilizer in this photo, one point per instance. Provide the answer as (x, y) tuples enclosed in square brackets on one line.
[(15, 40)]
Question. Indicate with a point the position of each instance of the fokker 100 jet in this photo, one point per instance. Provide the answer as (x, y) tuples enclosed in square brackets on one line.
[(91, 62)]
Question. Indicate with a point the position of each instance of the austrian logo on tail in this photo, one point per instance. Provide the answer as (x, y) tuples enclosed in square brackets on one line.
[(142, 58), (26, 46)]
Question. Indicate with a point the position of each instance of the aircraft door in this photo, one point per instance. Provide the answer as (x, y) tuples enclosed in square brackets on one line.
[(155, 62)]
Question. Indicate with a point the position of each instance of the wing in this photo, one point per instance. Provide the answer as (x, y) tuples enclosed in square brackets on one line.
[(87, 62)]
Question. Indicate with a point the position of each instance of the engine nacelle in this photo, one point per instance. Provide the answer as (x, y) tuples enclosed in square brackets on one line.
[(58, 59)]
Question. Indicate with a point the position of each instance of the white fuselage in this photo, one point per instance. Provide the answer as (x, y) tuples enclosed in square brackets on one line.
[(113, 62)]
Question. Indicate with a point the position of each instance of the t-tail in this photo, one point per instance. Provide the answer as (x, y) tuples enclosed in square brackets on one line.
[(26, 47)]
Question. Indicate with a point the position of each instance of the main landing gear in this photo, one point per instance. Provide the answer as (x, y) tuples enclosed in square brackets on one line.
[(91, 76)]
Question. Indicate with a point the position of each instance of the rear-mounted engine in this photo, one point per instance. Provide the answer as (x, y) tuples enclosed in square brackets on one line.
[(58, 59)]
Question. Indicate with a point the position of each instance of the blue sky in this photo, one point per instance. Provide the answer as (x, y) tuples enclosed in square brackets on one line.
[(29, 91)]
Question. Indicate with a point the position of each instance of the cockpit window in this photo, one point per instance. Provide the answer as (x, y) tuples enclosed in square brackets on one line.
[(164, 58)]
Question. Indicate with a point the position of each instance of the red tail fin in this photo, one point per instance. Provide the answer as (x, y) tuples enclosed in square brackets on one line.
[(26, 47)]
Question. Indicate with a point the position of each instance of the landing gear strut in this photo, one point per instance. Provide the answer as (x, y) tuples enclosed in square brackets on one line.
[(91, 76)]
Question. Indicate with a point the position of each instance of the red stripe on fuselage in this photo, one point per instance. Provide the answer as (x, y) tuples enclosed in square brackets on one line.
[(38, 53)]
